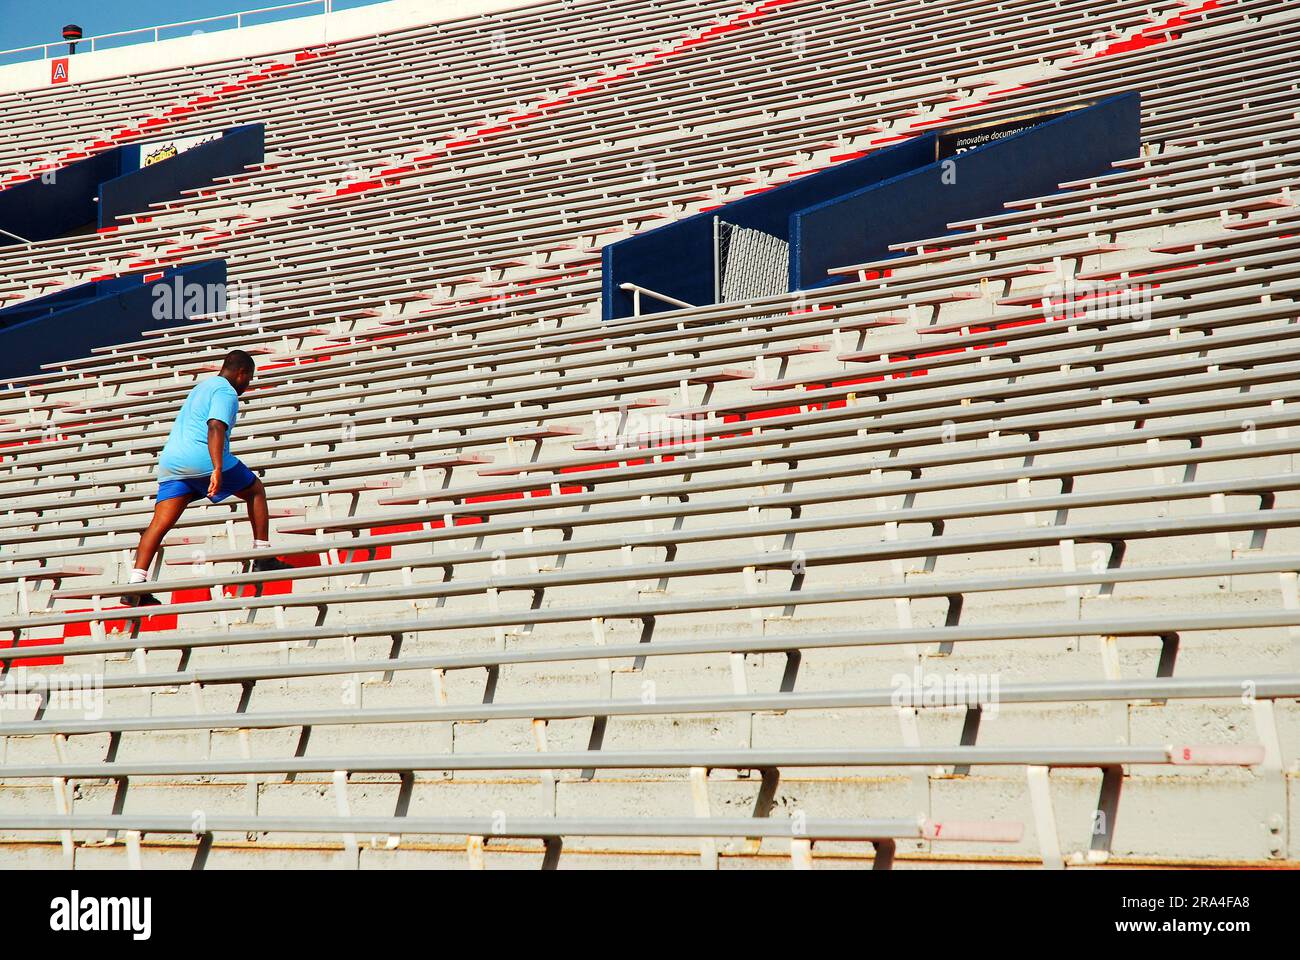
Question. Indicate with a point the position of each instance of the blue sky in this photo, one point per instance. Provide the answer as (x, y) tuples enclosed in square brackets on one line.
[(27, 22)]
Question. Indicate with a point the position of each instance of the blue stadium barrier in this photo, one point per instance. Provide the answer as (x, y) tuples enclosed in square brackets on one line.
[(61, 202), (133, 191), (921, 203), (96, 191), (71, 323), (677, 259), (851, 212)]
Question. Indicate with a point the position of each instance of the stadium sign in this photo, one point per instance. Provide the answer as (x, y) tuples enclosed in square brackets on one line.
[(160, 150), (954, 140)]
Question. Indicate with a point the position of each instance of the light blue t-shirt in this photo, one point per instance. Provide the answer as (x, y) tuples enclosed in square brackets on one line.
[(186, 452)]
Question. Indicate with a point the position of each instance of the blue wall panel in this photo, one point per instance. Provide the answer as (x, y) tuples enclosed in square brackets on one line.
[(37, 210), (228, 154), (921, 203), (677, 259), (851, 212), (70, 323)]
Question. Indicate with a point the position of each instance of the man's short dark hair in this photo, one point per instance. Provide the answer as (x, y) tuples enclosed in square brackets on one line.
[(237, 361)]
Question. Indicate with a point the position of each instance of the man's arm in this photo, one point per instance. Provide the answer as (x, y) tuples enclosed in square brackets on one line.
[(217, 451)]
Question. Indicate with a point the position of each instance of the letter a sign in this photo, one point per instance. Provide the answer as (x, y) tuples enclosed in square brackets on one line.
[(59, 71)]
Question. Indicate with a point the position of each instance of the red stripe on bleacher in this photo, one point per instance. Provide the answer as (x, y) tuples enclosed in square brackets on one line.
[(1161, 32), (51, 661), (520, 118), (531, 494), (74, 631)]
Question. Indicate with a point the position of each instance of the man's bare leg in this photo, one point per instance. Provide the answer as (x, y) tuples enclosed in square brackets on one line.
[(165, 515), (258, 515), (259, 518)]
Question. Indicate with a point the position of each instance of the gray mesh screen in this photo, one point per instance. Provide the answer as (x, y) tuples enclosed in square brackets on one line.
[(751, 263)]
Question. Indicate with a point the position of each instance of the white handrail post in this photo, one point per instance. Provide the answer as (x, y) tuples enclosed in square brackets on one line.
[(717, 261), (636, 290)]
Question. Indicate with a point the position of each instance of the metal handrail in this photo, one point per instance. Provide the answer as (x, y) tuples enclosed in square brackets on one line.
[(327, 7), (637, 290), (529, 827), (1280, 686)]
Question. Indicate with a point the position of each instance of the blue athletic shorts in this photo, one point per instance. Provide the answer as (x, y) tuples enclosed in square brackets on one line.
[(235, 480)]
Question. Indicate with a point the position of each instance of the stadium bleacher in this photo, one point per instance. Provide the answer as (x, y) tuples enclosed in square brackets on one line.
[(986, 554)]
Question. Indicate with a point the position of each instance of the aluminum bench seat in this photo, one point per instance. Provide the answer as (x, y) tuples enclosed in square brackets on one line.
[(1117, 534), (554, 831)]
